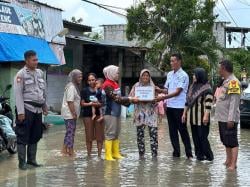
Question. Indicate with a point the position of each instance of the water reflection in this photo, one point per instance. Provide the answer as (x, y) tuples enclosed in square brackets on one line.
[(130, 171), (27, 178)]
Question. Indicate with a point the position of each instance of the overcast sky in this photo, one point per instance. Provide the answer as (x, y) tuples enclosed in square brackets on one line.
[(95, 16)]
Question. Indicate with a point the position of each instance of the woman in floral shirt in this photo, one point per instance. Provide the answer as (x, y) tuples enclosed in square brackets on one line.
[(145, 115)]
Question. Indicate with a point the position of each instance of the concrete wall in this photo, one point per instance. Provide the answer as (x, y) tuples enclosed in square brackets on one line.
[(56, 84), (117, 33), (7, 74), (219, 33), (57, 79), (133, 67)]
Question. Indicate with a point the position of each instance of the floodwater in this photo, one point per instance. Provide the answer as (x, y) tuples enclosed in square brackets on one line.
[(130, 171)]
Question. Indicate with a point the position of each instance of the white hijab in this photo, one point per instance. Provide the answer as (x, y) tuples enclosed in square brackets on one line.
[(110, 72)]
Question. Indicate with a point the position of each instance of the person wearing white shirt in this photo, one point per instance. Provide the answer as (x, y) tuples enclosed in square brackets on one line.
[(176, 87)]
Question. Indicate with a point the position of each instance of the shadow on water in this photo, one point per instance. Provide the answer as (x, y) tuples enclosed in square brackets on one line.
[(59, 170)]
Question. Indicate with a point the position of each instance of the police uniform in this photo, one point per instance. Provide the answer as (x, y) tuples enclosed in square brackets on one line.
[(30, 97), (227, 109)]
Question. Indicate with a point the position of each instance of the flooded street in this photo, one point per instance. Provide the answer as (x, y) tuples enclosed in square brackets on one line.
[(167, 171)]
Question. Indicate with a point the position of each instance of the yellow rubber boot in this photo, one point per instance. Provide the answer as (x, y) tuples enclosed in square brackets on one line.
[(116, 149), (108, 150)]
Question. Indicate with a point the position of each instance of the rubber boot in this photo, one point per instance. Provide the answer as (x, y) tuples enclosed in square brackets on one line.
[(116, 149), (21, 151), (31, 153), (108, 150)]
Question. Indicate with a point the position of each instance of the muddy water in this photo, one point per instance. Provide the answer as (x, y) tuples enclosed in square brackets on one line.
[(166, 171)]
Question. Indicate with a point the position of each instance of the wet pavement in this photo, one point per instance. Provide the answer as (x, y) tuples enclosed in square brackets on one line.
[(130, 171)]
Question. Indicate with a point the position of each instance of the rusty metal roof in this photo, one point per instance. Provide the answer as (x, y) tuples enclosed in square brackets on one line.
[(77, 26), (105, 42), (45, 4)]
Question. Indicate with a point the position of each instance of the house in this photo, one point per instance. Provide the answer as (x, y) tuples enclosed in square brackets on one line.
[(91, 55), (26, 25)]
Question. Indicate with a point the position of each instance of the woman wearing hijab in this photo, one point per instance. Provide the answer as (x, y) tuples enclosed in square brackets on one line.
[(71, 109), (199, 103), (113, 102), (145, 115)]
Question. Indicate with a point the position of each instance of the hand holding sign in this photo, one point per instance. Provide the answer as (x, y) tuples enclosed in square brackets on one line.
[(145, 93)]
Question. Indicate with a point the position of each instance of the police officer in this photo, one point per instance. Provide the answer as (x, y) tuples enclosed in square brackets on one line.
[(30, 97), (227, 113)]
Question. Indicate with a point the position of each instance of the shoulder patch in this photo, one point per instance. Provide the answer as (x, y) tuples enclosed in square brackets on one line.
[(233, 87)]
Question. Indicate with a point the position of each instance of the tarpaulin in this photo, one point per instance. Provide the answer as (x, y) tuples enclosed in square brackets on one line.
[(13, 46)]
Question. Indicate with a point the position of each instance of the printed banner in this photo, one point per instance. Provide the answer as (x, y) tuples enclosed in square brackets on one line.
[(145, 93), (18, 20)]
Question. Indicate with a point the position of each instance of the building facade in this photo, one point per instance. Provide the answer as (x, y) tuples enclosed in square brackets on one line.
[(27, 25)]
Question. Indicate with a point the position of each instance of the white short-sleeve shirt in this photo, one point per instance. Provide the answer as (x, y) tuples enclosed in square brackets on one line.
[(178, 79), (70, 94)]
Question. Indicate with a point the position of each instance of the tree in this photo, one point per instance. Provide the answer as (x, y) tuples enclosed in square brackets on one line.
[(174, 26), (74, 20), (95, 35), (240, 59)]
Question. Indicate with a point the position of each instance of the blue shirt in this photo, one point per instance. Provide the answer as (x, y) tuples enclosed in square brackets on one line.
[(176, 80)]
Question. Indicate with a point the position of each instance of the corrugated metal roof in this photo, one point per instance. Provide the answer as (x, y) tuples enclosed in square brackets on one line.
[(77, 26), (45, 4), (35, 1), (104, 42)]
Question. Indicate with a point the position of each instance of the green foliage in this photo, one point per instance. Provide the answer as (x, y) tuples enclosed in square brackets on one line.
[(74, 20), (240, 59), (94, 35), (97, 36), (174, 26)]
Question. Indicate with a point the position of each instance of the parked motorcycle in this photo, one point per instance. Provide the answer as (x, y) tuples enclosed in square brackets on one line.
[(7, 134)]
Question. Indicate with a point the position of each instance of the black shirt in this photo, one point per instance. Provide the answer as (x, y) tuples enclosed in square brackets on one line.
[(86, 95)]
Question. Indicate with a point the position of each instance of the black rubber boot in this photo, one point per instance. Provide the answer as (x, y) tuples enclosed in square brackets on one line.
[(32, 148), (21, 150)]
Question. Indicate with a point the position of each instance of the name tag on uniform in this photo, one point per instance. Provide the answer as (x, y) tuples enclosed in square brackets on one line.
[(145, 93)]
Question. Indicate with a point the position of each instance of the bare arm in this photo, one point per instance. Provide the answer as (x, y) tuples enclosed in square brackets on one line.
[(158, 90), (174, 94), (184, 115), (84, 104)]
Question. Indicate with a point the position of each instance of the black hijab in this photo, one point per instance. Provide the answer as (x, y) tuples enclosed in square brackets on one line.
[(198, 88)]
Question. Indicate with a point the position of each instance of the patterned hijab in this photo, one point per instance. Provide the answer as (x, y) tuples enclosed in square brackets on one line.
[(150, 83), (140, 83), (198, 88), (110, 72), (72, 79)]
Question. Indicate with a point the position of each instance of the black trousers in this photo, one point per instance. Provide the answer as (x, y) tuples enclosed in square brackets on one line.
[(201, 144), (153, 133), (175, 125), (30, 130)]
